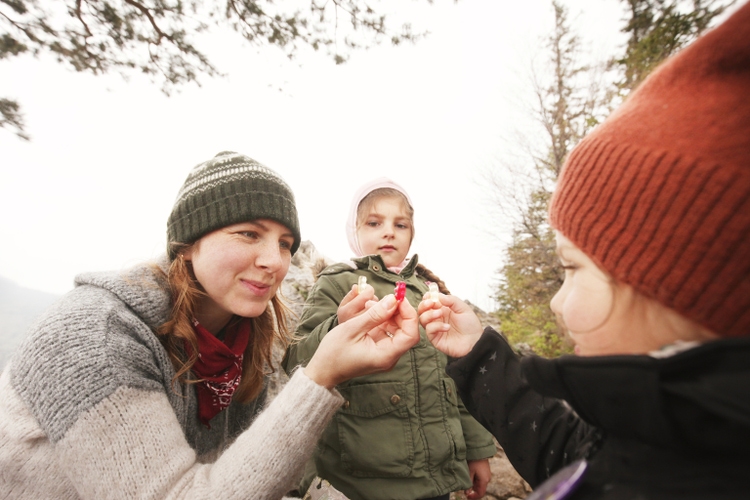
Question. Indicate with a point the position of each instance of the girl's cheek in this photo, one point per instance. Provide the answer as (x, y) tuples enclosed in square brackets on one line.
[(587, 308), (365, 242)]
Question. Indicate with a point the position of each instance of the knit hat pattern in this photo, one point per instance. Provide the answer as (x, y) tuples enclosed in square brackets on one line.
[(659, 194), (228, 189)]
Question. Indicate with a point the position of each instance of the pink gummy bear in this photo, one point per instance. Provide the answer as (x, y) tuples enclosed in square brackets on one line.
[(400, 290)]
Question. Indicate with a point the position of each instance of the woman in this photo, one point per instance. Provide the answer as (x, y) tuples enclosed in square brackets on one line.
[(144, 384)]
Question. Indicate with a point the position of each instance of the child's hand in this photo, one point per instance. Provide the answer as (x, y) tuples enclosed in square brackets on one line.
[(370, 342), (450, 324), (354, 303), (480, 473)]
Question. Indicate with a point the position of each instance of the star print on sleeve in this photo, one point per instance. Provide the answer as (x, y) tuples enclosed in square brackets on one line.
[(494, 356), (482, 370)]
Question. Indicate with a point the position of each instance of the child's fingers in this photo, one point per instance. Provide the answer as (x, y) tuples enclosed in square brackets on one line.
[(354, 303), (367, 293), (430, 316), (428, 303), (435, 330), (349, 296)]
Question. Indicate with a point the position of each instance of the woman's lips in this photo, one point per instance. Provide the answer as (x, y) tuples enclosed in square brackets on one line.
[(256, 287)]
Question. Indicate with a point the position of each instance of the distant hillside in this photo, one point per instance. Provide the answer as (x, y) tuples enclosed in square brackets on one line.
[(19, 307)]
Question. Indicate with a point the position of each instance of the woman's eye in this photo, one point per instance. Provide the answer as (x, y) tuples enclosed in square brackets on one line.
[(569, 267), (285, 245), (372, 223), (249, 234), (402, 226)]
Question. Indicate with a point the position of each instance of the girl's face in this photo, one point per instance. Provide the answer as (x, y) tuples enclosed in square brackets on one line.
[(605, 317), (240, 267), (386, 231)]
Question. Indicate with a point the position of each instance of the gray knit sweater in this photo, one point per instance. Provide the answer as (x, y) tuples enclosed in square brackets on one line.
[(88, 409)]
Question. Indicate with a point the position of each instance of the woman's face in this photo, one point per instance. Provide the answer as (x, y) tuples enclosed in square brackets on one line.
[(240, 267), (605, 317), (386, 231)]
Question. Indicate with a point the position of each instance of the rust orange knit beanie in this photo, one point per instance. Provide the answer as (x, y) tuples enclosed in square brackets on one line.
[(659, 194)]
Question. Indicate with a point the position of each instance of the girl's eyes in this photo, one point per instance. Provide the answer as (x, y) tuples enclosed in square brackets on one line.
[(285, 245), (569, 267), (250, 234), (374, 223)]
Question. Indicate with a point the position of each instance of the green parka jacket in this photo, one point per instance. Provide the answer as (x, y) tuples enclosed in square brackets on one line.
[(403, 434)]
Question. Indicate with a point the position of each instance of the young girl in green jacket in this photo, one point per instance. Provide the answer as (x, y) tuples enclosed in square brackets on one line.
[(402, 434)]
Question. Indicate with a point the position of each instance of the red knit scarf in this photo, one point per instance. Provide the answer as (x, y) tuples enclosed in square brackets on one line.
[(219, 365)]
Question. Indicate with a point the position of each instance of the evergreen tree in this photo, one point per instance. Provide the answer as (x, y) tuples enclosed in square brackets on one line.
[(659, 28), (159, 37), (565, 108)]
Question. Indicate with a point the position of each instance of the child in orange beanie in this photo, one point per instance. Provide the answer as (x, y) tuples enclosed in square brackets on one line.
[(652, 214)]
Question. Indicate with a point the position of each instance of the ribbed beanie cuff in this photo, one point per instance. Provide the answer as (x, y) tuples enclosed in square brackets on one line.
[(659, 194), (229, 189)]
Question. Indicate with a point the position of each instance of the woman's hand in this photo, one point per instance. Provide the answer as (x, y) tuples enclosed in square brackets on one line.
[(450, 324), (370, 342), (354, 303)]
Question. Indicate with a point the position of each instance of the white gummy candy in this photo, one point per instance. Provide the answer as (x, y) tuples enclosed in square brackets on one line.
[(361, 282), (434, 292)]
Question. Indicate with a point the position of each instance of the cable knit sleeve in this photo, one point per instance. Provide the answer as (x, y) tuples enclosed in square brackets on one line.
[(88, 409), (130, 445)]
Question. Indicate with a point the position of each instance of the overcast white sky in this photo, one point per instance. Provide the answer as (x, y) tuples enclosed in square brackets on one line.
[(94, 187)]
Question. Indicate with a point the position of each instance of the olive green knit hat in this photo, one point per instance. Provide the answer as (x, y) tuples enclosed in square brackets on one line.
[(228, 189)]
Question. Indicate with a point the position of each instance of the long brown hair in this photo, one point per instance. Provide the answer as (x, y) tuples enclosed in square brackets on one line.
[(271, 327)]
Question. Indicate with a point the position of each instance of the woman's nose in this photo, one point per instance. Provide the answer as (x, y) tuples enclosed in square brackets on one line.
[(269, 257)]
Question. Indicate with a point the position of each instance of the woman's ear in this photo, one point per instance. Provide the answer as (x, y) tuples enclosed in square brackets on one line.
[(187, 254)]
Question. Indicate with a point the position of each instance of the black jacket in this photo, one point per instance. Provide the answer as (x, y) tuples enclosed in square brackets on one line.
[(648, 427)]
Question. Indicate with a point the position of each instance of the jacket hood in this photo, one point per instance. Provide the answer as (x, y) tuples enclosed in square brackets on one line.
[(696, 400), (140, 287), (364, 190)]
